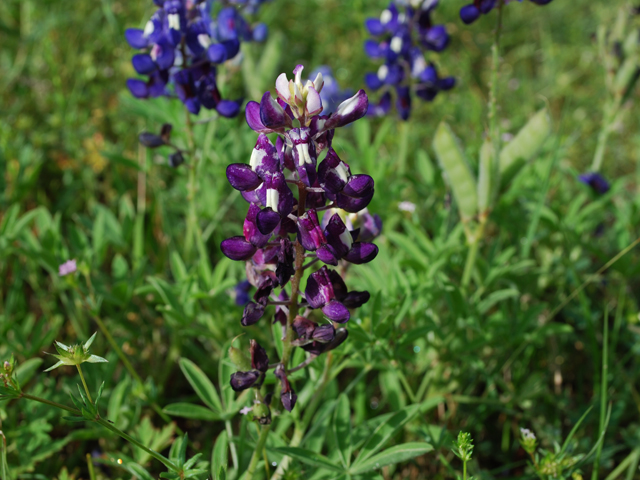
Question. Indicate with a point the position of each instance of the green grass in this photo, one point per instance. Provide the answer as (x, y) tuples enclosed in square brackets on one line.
[(75, 184)]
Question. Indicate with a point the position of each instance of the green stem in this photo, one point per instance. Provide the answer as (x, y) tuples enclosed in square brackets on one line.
[(603, 136), (603, 391), (92, 473), (257, 452), (301, 427), (192, 218), (161, 458), (86, 389), (123, 358), (105, 423), (464, 470), (473, 253), (287, 347)]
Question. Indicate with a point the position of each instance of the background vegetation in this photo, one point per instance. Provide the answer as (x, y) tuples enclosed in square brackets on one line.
[(75, 184)]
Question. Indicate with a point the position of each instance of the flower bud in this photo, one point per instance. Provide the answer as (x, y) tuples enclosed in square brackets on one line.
[(261, 413), (259, 358), (243, 380), (239, 359), (8, 368)]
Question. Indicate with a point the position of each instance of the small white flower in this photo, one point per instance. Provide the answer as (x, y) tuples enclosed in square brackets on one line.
[(407, 207)]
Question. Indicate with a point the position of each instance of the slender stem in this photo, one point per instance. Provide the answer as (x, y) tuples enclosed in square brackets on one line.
[(161, 458), (232, 444), (51, 403), (473, 253), (295, 284), (301, 427), (86, 389), (603, 391), (191, 188), (257, 452), (307, 362), (603, 136), (106, 424), (121, 355), (92, 473), (464, 470)]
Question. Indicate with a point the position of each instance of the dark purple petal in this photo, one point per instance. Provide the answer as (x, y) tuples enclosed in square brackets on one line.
[(403, 103), (252, 115), (228, 108), (237, 248), (319, 290), (338, 236), (138, 88), (216, 53), (487, 5), (436, 38), (469, 14), (349, 111), (284, 267), (355, 299), (150, 140), (370, 226), (304, 327), (341, 336), (310, 234), (326, 254), (361, 253), (596, 181), (176, 159), (288, 399), (271, 113), (336, 311), (373, 50), (243, 380), (277, 194), (324, 333), (264, 157), (382, 107), (353, 204), (374, 26), (372, 81), (251, 232), (333, 173), (143, 64), (304, 154), (135, 37), (252, 313), (242, 177), (259, 358), (267, 220), (164, 55), (359, 185), (338, 285)]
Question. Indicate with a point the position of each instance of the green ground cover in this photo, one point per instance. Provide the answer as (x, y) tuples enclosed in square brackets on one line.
[(520, 346)]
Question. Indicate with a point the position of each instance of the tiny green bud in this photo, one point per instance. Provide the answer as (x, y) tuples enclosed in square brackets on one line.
[(463, 446), (261, 412), (528, 441), (7, 367)]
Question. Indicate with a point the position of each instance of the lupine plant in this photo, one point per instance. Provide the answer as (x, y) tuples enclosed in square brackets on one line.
[(403, 35)]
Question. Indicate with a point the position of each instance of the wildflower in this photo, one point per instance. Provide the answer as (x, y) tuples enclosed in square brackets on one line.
[(280, 226), (471, 12), (67, 267), (402, 37), (596, 181), (75, 354), (181, 45)]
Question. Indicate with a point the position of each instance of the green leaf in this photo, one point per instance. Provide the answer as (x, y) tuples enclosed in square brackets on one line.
[(396, 454), (4, 465), (310, 458), (201, 384), (383, 433), (342, 429), (457, 170), (220, 454), (515, 154), (189, 410), (26, 370)]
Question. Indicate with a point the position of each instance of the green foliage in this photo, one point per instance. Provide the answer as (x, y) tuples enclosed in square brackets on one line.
[(426, 358)]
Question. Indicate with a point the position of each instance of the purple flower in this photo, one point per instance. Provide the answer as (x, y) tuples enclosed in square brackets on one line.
[(288, 190), (67, 267), (404, 34), (181, 45), (596, 181), (471, 12)]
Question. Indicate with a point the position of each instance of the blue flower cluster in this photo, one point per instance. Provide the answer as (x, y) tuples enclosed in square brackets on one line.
[(403, 33), (182, 44), (470, 13)]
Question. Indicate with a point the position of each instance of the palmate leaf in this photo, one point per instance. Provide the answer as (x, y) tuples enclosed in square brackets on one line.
[(457, 170), (310, 458), (396, 454)]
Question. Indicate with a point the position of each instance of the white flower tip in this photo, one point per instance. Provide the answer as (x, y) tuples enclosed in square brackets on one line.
[(314, 102), (282, 87), (318, 83)]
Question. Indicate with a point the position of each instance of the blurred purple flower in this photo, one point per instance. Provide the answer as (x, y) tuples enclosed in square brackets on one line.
[(67, 267)]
